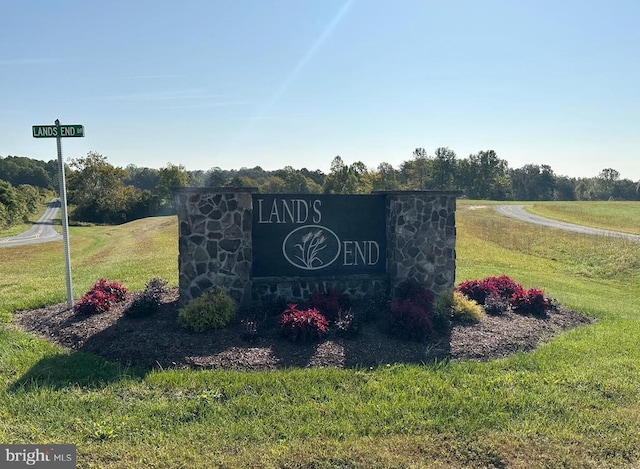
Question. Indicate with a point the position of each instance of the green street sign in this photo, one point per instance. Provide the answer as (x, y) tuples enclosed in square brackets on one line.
[(51, 131)]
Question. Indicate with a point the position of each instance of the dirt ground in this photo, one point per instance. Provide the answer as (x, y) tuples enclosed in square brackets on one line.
[(158, 341)]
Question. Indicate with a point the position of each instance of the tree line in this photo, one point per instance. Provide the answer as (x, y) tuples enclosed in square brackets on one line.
[(103, 193), (24, 185)]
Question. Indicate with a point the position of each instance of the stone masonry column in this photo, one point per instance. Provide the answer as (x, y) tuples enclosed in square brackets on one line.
[(215, 246), (421, 238)]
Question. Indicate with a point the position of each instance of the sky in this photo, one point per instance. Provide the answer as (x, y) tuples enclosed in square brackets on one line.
[(274, 83)]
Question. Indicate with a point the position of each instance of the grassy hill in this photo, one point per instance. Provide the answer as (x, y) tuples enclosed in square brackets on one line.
[(618, 216), (575, 402), (131, 253)]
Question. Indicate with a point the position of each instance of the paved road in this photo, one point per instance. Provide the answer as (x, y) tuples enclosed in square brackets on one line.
[(42, 231), (518, 212)]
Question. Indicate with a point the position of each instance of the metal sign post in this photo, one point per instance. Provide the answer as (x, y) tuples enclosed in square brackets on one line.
[(58, 131)]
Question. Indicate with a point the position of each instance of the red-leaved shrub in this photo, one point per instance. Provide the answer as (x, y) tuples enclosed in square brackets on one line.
[(416, 293), (478, 290), (100, 297), (409, 320), (494, 292), (303, 326), (530, 302), (500, 287), (505, 286), (410, 315), (329, 303)]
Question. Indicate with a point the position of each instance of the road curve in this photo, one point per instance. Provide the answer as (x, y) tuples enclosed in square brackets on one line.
[(519, 213), (42, 231)]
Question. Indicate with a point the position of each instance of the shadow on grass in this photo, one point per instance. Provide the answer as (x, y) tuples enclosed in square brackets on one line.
[(75, 369)]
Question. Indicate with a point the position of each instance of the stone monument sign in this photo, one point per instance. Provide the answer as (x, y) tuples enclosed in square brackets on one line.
[(262, 246)]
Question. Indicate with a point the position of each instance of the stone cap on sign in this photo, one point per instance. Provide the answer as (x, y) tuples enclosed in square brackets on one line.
[(418, 192), (227, 189), (218, 190)]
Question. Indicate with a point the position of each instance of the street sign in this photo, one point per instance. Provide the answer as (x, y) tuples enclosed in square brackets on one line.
[(51, 131), (58, 131)]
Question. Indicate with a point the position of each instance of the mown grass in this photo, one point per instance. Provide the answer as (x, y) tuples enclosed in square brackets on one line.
[(132, 253), (617, 216), (575, 402)]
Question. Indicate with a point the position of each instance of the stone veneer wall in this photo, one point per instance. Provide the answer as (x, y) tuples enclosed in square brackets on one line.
[(215, 247), (421, 238), (214, 228), (268, 289)]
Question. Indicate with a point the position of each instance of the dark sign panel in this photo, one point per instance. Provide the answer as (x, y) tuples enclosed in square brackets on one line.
[(318, 235)]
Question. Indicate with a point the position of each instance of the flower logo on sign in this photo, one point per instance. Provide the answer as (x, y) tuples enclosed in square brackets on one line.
[(311, 247)]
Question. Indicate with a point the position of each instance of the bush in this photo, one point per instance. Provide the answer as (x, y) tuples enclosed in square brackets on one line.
[(479, 290), (100, 297), (212, 310), (347, 325), (275, 307), (410, 316), (496, 305), (149, 301), (531, 302), (250, 330), (505, 286), (416, 293), (329, 303), (369, 309), (442, 307), (303, 326), (408, 320), (465, 309), (497, 294)]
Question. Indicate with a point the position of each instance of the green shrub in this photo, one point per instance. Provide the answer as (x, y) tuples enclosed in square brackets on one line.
[(442, 307), (465, 309), (213, 310)]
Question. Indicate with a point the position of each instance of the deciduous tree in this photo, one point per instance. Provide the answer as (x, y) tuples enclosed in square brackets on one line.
[(171, 177), (98, 191)]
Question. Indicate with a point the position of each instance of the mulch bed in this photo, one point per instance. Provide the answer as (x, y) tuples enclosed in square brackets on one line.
[(159, 342)]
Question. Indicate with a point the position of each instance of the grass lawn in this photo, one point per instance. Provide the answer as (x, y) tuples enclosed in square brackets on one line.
[(617, 216), (131, 253), (575, 402)]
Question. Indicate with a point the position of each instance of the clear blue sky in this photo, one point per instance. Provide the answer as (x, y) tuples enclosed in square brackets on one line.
[(292, 82)]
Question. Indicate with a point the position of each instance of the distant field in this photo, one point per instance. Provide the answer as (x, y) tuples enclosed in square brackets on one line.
[(573, 403), (617, 216)]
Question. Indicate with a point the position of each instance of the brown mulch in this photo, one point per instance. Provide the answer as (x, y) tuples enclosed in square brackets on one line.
[(159, 342)]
